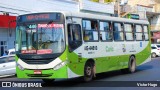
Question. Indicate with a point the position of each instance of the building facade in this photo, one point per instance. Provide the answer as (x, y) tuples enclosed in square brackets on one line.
[(152, 10), (7, 33)]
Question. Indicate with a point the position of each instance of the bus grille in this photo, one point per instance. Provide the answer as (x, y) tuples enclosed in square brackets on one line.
[(36, 61), (40, 75)]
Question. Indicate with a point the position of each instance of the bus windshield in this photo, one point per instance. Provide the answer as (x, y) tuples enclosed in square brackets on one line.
[(40, 38)]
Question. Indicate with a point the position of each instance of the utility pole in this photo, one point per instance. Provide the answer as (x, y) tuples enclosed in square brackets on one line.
[(119, 8)]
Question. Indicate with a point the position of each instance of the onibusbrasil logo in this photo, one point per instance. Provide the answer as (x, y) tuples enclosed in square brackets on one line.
[(21, 84)]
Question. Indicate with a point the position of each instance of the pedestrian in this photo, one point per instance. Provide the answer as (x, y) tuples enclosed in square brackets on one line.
[(5, 53)]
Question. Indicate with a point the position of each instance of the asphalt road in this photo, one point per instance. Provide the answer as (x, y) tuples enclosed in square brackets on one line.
[(115, 80)]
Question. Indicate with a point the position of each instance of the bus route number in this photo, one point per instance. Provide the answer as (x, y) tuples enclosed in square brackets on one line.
[(90, 48)]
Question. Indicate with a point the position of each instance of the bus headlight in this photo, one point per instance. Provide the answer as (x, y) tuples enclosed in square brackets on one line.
[(20, 67), (58, 66)]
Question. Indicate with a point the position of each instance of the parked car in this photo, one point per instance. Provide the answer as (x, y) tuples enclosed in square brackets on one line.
[(7, 65), (11, 51), (155, 51), (156, 45)]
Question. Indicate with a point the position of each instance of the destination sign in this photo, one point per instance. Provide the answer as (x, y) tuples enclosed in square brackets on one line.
[(39, 17)]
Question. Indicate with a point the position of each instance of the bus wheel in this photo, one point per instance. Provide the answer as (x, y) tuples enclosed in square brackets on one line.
[(88, 71), (48, 80), (132, 64)]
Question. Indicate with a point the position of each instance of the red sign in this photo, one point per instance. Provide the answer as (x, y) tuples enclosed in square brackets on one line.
[(43, 51), (7, 21), (50, 25), (28, 51)]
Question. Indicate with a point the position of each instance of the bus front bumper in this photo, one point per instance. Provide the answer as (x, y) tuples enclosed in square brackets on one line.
[(47, 73)]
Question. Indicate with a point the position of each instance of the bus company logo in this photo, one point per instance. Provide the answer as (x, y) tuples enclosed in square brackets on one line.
[(109, 49), (6, 84)]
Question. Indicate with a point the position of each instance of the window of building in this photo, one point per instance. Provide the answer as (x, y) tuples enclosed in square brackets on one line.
[(139, 32), (129, 34), (90, 30), (3, 47), (105, 31), (145, 33), (118, 31)]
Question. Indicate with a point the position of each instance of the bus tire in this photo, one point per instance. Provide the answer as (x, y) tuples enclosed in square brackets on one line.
[(48, 80), (88, 71), (132, 64)]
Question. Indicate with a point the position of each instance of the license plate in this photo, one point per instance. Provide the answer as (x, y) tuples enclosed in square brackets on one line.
[(37, 72)]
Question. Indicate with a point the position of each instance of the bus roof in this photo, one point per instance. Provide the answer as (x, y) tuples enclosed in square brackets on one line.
[(97, 16), (103, 17)]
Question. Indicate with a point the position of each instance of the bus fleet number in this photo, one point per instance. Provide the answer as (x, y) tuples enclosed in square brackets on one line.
[(90, 48)]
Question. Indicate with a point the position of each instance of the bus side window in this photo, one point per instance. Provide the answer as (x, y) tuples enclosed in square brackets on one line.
[(90, 30), (94, 25), (105, 31), (146, 36), (138, 32), (118, 31), (129, 33), (74, 36)]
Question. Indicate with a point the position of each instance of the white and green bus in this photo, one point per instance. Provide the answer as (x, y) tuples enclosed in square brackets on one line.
[(65, 45)]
